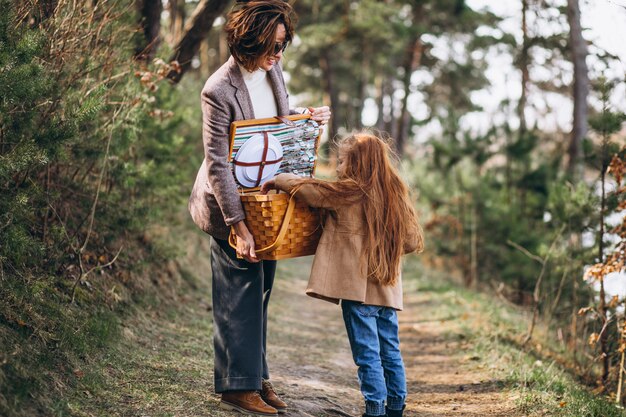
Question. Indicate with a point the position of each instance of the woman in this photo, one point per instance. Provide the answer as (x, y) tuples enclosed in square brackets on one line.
[(249, 85)]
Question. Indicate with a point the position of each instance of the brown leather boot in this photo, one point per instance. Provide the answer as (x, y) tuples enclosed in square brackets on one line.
[(269, 396), (246, 402)]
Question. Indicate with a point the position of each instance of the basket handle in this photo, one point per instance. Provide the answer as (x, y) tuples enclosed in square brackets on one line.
[(281, 233)]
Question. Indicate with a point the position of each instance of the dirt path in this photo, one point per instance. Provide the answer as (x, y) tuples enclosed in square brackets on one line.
[(163, 364), (312, 365)]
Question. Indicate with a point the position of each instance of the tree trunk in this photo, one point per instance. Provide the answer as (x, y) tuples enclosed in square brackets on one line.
[(412, 59), (177, 19), (604, 335), (43, 11), (331, 98), (362, 86), (524, 62), (205, 60), (150, 21), (388, 110), (578, 48), (223, 47), (473, 247), (380, 98), (48, 7), (574, 243), (197, 28)]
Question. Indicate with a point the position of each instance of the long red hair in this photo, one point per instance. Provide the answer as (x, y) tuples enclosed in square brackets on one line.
[(367, 176)]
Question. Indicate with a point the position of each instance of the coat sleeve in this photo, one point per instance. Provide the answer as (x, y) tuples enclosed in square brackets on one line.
[(215, 135), (311, 193)]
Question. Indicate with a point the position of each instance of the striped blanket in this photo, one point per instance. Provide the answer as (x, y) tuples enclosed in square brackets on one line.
[(299, 144)]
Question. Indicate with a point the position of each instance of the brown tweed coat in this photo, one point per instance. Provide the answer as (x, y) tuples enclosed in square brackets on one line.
[(338, 271), (214, 203)]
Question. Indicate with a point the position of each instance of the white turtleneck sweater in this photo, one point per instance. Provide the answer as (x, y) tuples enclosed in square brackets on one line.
[(261, 93)]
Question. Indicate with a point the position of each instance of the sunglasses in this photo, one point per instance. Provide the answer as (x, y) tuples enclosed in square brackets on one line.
[(280, 47)]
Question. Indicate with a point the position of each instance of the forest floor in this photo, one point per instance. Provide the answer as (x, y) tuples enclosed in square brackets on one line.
[(162, 365)]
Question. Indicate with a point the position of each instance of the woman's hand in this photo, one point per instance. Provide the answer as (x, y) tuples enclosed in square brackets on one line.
[(268, 185), (320, 114), (245, 242)]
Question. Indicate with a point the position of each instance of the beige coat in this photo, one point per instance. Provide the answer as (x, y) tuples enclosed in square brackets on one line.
[(338, 272), (214, 203)]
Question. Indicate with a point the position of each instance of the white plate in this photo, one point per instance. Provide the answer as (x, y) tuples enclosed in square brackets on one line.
[(252, 151)]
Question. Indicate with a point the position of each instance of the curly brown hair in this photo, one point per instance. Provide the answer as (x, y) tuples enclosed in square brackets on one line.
[(251, 29)]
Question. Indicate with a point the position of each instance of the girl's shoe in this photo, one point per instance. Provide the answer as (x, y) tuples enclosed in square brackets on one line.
[(395, 413)]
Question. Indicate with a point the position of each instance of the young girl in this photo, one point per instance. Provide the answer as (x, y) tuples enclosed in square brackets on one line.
[(371, 223)]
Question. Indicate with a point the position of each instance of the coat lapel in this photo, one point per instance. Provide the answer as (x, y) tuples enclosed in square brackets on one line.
[(278, 86), (242, 95)]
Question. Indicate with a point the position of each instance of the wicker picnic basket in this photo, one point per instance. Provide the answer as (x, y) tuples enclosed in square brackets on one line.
[(282, 226)]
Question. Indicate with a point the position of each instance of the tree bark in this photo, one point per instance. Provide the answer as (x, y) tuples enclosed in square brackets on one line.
[(380, 99), (205, 61), (41, 12), (362, 86), (524, 62), (473, 276), (177, 19), (223, 47), (388, 111), (48, 7), (412, 58), (332, 98), (150, 12), (578, 49), (604, 335), (197, 28)]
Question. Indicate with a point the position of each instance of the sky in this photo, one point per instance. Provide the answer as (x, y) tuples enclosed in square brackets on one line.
[(605, 26), (604, 22)]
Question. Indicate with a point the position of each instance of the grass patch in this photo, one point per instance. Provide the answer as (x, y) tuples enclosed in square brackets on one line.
[(48, 342), (162, 365), (118, 352), (494, 331)]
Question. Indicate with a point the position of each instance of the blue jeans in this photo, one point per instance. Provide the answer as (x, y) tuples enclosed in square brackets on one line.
[(373, 335)]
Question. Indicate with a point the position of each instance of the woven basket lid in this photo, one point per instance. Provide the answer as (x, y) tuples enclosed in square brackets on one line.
[(252, 151)]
